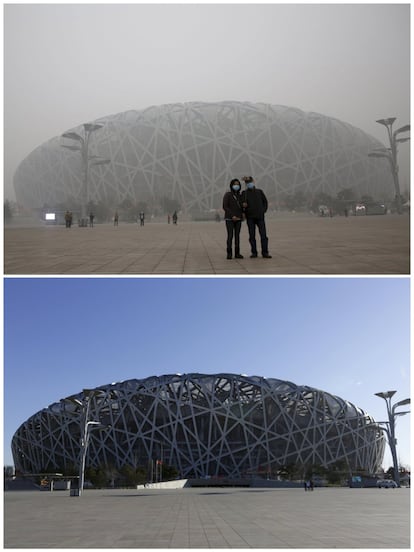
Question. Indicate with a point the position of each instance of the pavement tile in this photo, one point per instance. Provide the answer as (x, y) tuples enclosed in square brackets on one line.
[(194, 518), (299, 244)]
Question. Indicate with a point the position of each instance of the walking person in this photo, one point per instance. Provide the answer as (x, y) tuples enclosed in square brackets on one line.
[(91, 217), (67, 219), (255, 206), (233, 215), (116, 218), (175, 217), (142, 218)]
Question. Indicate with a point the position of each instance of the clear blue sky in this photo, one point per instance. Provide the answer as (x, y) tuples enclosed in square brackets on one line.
[(347, 336)]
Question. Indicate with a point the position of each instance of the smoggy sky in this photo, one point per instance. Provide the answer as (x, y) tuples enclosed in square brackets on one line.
[(69, 64), (347, 336)]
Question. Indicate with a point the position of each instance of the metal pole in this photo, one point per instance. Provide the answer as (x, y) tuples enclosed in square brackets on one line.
[(387, 396), (393, 156), (84, 438), (86, 199), (85, 181), (391, 419), (393, 145), (83, 148)]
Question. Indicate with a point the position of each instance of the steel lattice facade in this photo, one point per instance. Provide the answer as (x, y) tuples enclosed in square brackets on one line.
[(217, 425), (189, 152)]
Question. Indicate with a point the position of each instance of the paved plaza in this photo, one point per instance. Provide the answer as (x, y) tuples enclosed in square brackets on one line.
[(209, 518), (299, 244)]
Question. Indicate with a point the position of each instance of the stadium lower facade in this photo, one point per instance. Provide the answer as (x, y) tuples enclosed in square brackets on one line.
[(203, 425), (189, 153)]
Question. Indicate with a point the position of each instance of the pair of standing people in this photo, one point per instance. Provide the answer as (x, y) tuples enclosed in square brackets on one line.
[(250, 204)]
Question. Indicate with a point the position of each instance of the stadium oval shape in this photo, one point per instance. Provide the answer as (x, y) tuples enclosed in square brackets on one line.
[(203, 425), (189, 152)]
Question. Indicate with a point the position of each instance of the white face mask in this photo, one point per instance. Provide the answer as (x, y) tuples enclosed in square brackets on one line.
[(236, 187)]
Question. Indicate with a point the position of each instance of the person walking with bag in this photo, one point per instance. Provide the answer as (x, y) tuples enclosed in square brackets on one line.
[(255, 206), (233, 215)]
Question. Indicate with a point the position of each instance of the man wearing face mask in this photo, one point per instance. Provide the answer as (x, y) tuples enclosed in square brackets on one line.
[(233, 215), (255, 206)]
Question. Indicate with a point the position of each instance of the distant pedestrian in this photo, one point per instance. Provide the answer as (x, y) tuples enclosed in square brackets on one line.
[(346, 212), (67, 219), (116, 218), (169, 218), (305, 485), (255, 206), (175, 217), (91, 217), (142, 218), (311, 484)]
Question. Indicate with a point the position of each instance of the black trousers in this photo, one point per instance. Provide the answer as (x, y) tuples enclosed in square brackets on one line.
[(251, 225), (233, 229)]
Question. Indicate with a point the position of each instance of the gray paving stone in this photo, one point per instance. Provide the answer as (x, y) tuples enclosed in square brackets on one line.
[(299, 244), (195, 518)]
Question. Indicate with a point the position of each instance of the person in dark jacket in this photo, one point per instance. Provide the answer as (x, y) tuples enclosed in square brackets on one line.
[(255, 206), (233, 215)]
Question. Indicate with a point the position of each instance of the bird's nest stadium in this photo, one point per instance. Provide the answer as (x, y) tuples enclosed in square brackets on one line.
[(206, 425), (189, 153)]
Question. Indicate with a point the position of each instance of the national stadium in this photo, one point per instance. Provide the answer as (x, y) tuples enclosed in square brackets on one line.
[(204, 425), (189, 152)]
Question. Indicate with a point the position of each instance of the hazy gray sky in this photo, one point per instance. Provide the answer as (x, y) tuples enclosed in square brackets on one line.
[(69, 64)]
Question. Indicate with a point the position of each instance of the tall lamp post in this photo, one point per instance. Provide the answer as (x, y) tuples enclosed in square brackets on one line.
[(83, 147), (86, 427), (391, 154), (390, 429)]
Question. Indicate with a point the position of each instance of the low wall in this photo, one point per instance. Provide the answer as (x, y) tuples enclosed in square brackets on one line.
[(220, 482), (175, 484)]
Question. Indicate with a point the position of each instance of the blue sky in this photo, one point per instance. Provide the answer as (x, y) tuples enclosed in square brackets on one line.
[(347, 336)]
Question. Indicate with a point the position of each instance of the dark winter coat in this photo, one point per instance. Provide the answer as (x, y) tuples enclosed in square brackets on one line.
[(232, 205), (256, 203)]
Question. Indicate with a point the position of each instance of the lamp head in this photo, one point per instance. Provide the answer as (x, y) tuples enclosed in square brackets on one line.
[(72, 136), (90, 127), (404, 128), (401, 403), (386, 394), (387, 122)]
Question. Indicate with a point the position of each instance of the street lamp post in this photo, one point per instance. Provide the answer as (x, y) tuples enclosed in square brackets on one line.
[(391, 154), (83, 147), (390, 429), (84, 447), (86, 427)]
